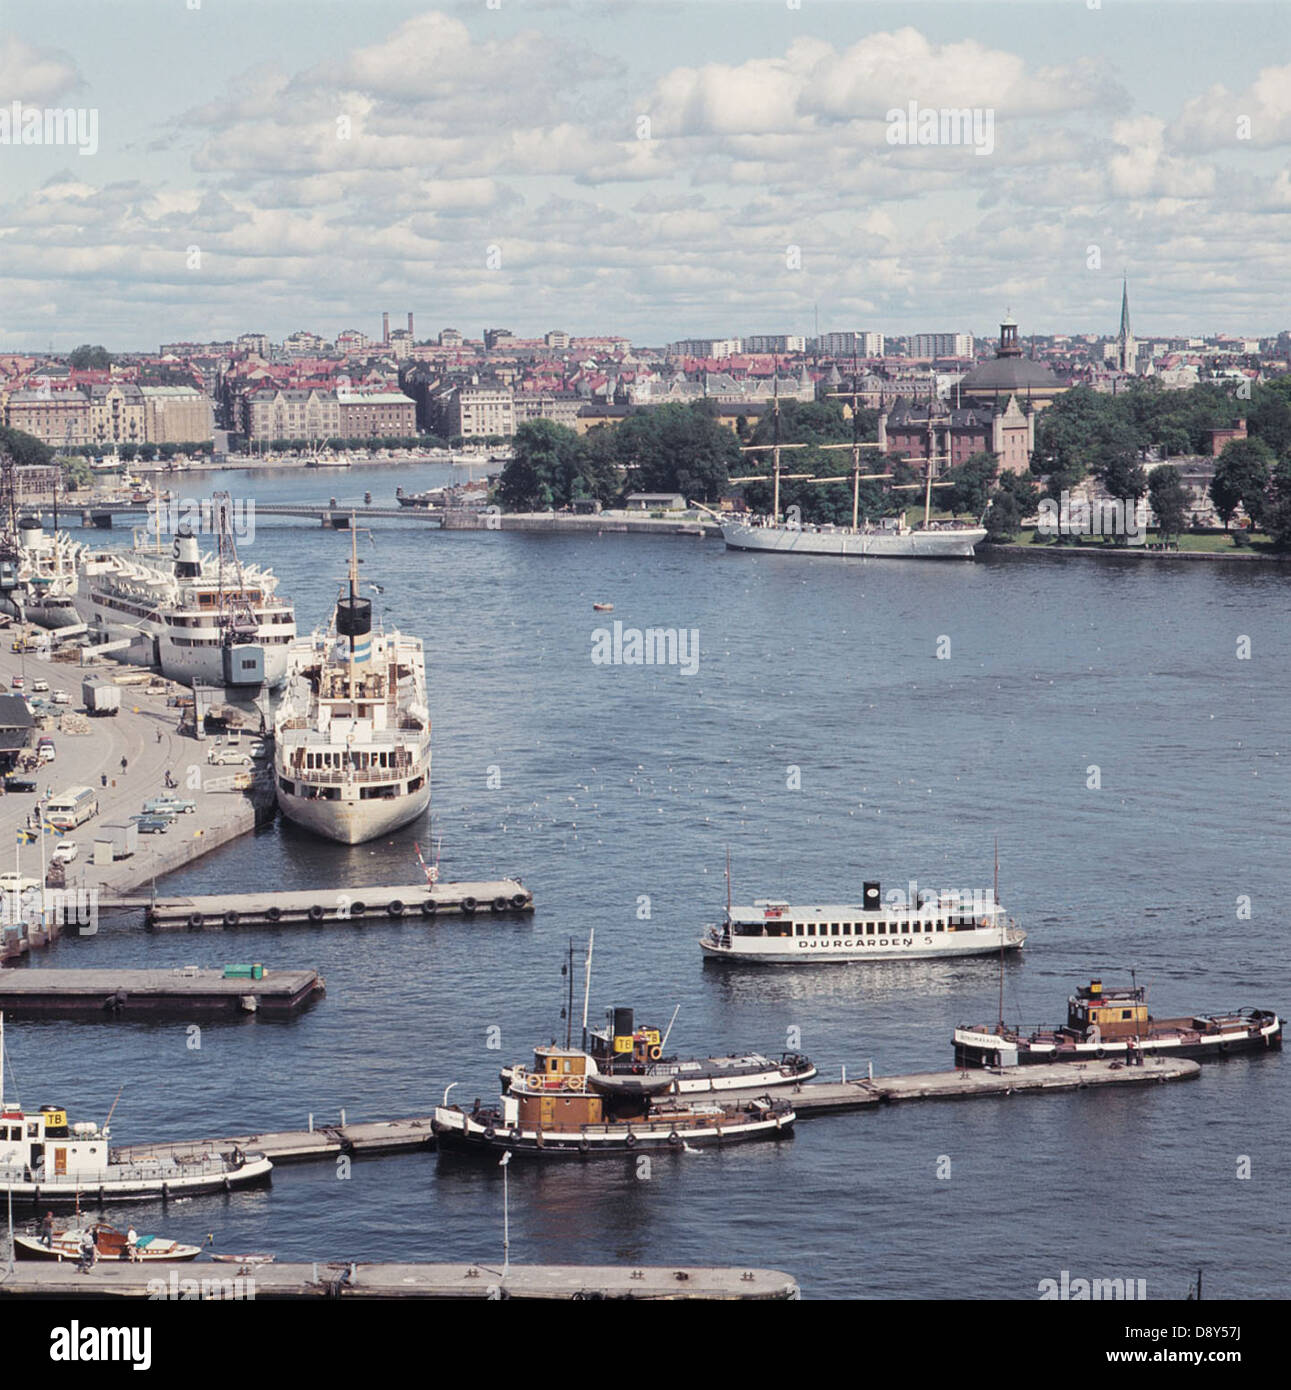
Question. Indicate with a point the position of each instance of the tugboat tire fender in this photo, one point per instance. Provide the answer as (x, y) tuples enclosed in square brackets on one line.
[(519, 900), (490, 1133), (499, 904), (230, 918), (316, 913), (584, 1146), (429, 907), (395, 909), (674, 1140), (1099, 1052), (358, 909), (195, 920), (631, 1140), (469, 905), (273, 914)]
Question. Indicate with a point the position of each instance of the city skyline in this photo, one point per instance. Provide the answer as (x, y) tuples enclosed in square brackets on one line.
[(565, 166)]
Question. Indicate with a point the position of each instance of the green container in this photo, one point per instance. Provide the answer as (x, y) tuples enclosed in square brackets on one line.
[(257, 971), (241, 972)]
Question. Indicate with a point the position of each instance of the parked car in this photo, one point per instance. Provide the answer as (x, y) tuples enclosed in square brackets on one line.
[(45, 749), (172, 804), (226, 757), (40, 686), (166, 813), (14, 783), (151, 825), (64, 852), (16, 683), (61, 697), (12, 882)]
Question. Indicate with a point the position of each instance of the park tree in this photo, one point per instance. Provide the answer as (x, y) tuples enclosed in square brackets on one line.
[(970, 484), (1241, 479), (25, 449), (1169, 499)]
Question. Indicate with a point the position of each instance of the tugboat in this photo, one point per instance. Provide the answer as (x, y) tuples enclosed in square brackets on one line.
[(49, 1162), (557, 1110), (629, 1060), (1115, 1023)]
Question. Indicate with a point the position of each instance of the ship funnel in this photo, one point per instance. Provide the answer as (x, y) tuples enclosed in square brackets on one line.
[(871, 898), (188, 559), (29, 529), (623, 1023), (353, 617)]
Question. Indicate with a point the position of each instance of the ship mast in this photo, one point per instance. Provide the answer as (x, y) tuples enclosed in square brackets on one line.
[(855, 446), (775, 446), (236, 614)]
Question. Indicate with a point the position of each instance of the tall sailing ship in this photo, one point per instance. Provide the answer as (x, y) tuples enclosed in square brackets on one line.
[(889, 538), (352, 732)]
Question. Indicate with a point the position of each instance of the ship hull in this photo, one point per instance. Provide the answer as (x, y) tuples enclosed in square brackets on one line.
[(154, 650), (91, 1190), (353, 822), (856, 950), (463, 1135), (981, 1048), (859, 545), (44, 614)]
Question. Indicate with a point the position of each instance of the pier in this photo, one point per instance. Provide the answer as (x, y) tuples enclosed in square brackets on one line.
[(971, 1083), (114, 994), (328, 906), (375, 1138), (355, 1280)]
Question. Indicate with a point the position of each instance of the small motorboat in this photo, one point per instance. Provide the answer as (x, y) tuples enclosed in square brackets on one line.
[(256, 1259), (110, 1244), (603, 607)]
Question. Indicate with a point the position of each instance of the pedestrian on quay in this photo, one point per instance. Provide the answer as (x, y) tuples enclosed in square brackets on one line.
[(47, 1230), (103, 777), (158, 735), (124, 765)]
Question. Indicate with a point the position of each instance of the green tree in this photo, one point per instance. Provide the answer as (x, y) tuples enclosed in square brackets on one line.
[(677, 448), (77, 474), (550, 466), (971, 484), (1241, 478), (1015, 498), (25, 449), (1169, 499), (88, 357), (1277, 516)]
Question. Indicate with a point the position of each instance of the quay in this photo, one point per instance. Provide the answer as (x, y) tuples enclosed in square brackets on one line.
[(356, 1280), (89, 752), (129, 993), (371, 1139), (324, 906)]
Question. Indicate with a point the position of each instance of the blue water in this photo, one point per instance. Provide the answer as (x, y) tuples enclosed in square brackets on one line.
[(626, 784)]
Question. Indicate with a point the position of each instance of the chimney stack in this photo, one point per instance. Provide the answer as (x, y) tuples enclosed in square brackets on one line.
[(385, 328), (410, 323)]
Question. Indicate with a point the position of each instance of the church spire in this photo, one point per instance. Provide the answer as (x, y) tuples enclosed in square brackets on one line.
[(1125, 309)]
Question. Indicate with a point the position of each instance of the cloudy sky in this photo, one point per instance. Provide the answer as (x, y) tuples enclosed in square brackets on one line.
[(654, 170)]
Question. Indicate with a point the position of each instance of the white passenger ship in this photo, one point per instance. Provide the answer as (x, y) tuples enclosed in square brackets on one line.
[(49, 1162), (39, 575), (774, 932), (196, 618), (352, 733)]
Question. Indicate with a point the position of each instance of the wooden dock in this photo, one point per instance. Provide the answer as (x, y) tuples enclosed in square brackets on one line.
[(546, 1283), (110, 994), (371, 1138), (327, 906)]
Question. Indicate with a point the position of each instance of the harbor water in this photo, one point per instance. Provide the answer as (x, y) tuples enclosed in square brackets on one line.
[(846, 721)]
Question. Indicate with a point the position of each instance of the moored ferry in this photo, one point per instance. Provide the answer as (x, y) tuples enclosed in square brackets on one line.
[(352, 734), (629, 1058), (562, 1108), (926, 926), (1115, 1023), (49, 1162), (196, 618)]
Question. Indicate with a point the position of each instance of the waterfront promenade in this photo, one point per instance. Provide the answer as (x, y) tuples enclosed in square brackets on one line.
[(85, 759)]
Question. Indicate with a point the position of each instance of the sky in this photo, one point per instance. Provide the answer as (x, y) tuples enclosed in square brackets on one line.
[(652, 170)]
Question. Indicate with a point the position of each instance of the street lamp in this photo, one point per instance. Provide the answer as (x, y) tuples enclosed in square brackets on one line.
[(506, 1215)]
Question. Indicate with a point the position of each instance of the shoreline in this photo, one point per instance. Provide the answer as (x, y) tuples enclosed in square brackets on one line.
[(1132, 552)]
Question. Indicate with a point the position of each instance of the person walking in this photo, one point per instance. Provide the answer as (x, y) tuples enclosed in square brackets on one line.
[(124, 765), (47, 1230)]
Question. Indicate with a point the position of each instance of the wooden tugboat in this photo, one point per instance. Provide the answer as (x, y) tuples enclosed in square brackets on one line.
[(109, 1243), (555, 1110), (1115, 1023), (629, 1059), (49, 1162)]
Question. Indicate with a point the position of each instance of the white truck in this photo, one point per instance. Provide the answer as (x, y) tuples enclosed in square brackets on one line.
[(101, 696)]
